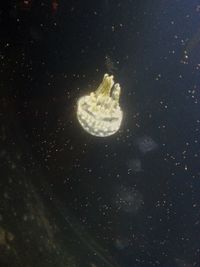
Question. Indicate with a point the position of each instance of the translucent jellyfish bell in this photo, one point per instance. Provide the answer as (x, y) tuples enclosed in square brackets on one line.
[(99, 113)]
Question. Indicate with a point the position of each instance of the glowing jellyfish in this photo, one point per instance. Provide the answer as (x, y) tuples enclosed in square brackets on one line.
[(99, 113)]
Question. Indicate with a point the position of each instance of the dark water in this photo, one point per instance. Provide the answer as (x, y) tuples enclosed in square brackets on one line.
[(71, 199)]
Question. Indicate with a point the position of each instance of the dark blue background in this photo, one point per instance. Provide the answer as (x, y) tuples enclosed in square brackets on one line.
[(89, 202)]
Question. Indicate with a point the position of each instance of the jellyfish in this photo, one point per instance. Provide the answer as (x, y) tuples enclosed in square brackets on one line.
[(128, 200), (135, 165), (146, 144), (99, 112)]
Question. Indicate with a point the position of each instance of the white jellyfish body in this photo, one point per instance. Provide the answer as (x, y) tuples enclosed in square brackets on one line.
[(99, 113)]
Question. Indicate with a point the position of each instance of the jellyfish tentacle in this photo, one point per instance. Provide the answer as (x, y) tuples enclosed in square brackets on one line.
[(116, 92), (105, 86)]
